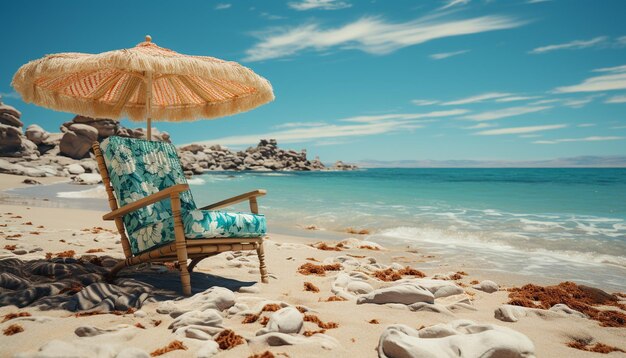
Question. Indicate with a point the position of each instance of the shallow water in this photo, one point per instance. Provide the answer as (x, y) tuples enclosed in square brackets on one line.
[(561, 223)]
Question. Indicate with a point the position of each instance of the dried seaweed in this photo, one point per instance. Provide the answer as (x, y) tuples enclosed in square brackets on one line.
[(250, 318), (309, 333), (357, 232), (228, 339), (395, 275), (271, 307), (373, 321), (139, 325), (335, 299), (597, 348), (369, 247), (308, 286), (13, 329), (264, 321), (312, 259), (10, 247), (10, 316), (314, 319), (174, 345), (324, 246), (319, 270), (266, 354), (580, 298), (93, 251)]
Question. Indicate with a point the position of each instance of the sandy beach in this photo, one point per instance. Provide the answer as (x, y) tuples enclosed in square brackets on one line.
[(365, 317)]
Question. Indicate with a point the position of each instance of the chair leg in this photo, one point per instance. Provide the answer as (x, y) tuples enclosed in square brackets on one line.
[(262, 268), (194, 262), (117, 268)]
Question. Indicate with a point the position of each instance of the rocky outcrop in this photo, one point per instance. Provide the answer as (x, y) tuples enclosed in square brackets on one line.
[(266, 156), (39, 153)]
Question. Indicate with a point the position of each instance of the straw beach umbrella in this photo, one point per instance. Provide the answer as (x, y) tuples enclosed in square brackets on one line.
[(146, 82)]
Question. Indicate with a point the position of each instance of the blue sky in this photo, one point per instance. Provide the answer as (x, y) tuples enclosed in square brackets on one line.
[(384, 80)]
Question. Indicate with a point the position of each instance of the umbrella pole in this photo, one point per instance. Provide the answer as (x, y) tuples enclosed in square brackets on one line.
[(149, 104)]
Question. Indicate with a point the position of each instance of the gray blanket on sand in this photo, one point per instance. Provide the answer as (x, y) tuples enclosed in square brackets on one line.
[(77, 284)]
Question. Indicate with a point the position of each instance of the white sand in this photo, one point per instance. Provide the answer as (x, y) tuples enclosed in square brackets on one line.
[(355, 337)]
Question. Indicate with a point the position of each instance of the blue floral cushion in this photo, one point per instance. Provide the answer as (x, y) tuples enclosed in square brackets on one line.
[(201, 224), (139, 168)]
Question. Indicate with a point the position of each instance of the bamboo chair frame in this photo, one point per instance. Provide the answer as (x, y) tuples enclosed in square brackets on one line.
[(181, 249)]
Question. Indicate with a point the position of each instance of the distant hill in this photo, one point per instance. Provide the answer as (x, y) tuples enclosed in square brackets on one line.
[(573, 162)]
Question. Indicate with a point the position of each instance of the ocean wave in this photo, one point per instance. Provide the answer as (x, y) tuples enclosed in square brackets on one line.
[(94, 193), (488, 244)]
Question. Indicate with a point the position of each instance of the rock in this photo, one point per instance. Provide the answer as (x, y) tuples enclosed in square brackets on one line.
[(403, 293), (339, 165), (77, 141), (105, 127), (17, 169), (20, 252), (285, 320), (460, 338), (10, 116), (209, 317), (487, 286), (36, 134), (75, 169), (88, 179), (208, 349), (31, 181), (14, 144), (218, 298), (511, 313)]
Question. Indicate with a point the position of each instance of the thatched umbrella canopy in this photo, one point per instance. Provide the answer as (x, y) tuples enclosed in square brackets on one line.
[(142, 83)]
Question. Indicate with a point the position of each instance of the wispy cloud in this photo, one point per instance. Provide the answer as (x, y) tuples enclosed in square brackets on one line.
[(319, 5), (585, 125), (406, 116), (323, 131), (573, 45), (616, 99), (536, 1), (578, 102), (13, 95), (585, 139), (475, 99), (443, 55), (516, 98), (615, 79), (481, 125), (451, 3), (222, 6), (268, 16), (300, 124), (504, 113), (520, 130), (424, 102), (370, 34)]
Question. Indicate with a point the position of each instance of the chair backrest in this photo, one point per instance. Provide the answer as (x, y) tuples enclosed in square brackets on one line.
[(138, 168)]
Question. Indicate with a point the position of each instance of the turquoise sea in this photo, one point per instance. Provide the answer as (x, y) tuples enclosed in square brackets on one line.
[(556, 223)]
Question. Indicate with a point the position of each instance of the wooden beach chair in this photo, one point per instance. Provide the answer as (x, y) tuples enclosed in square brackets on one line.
[(156, 215)]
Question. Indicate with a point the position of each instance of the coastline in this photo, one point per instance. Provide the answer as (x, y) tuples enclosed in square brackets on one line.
[(66, 228)]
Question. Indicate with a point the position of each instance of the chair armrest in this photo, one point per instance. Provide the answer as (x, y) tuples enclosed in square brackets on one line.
[(236, 199), (151, 199)]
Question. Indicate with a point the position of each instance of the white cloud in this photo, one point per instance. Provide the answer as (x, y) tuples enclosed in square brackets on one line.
[(480, 125), (545, 101), (424, 102), (516, 98), (614, 80), (405, 116), (504, 113), (586, 139), (621, 41), (585, 125), (443, 55), (616, 99), (520, 130), (573, 45), (452, 3), (319, 5), (267, 15), (371, 35), (530, 135), (13, 95), (317, 133), (222, 6), (578, 102), (300, 124), (536, 1), (476, 99)]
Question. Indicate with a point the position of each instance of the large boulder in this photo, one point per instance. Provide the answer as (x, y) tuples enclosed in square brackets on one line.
[(76, 142), (36, 134), (10, 116), (105, 127)]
